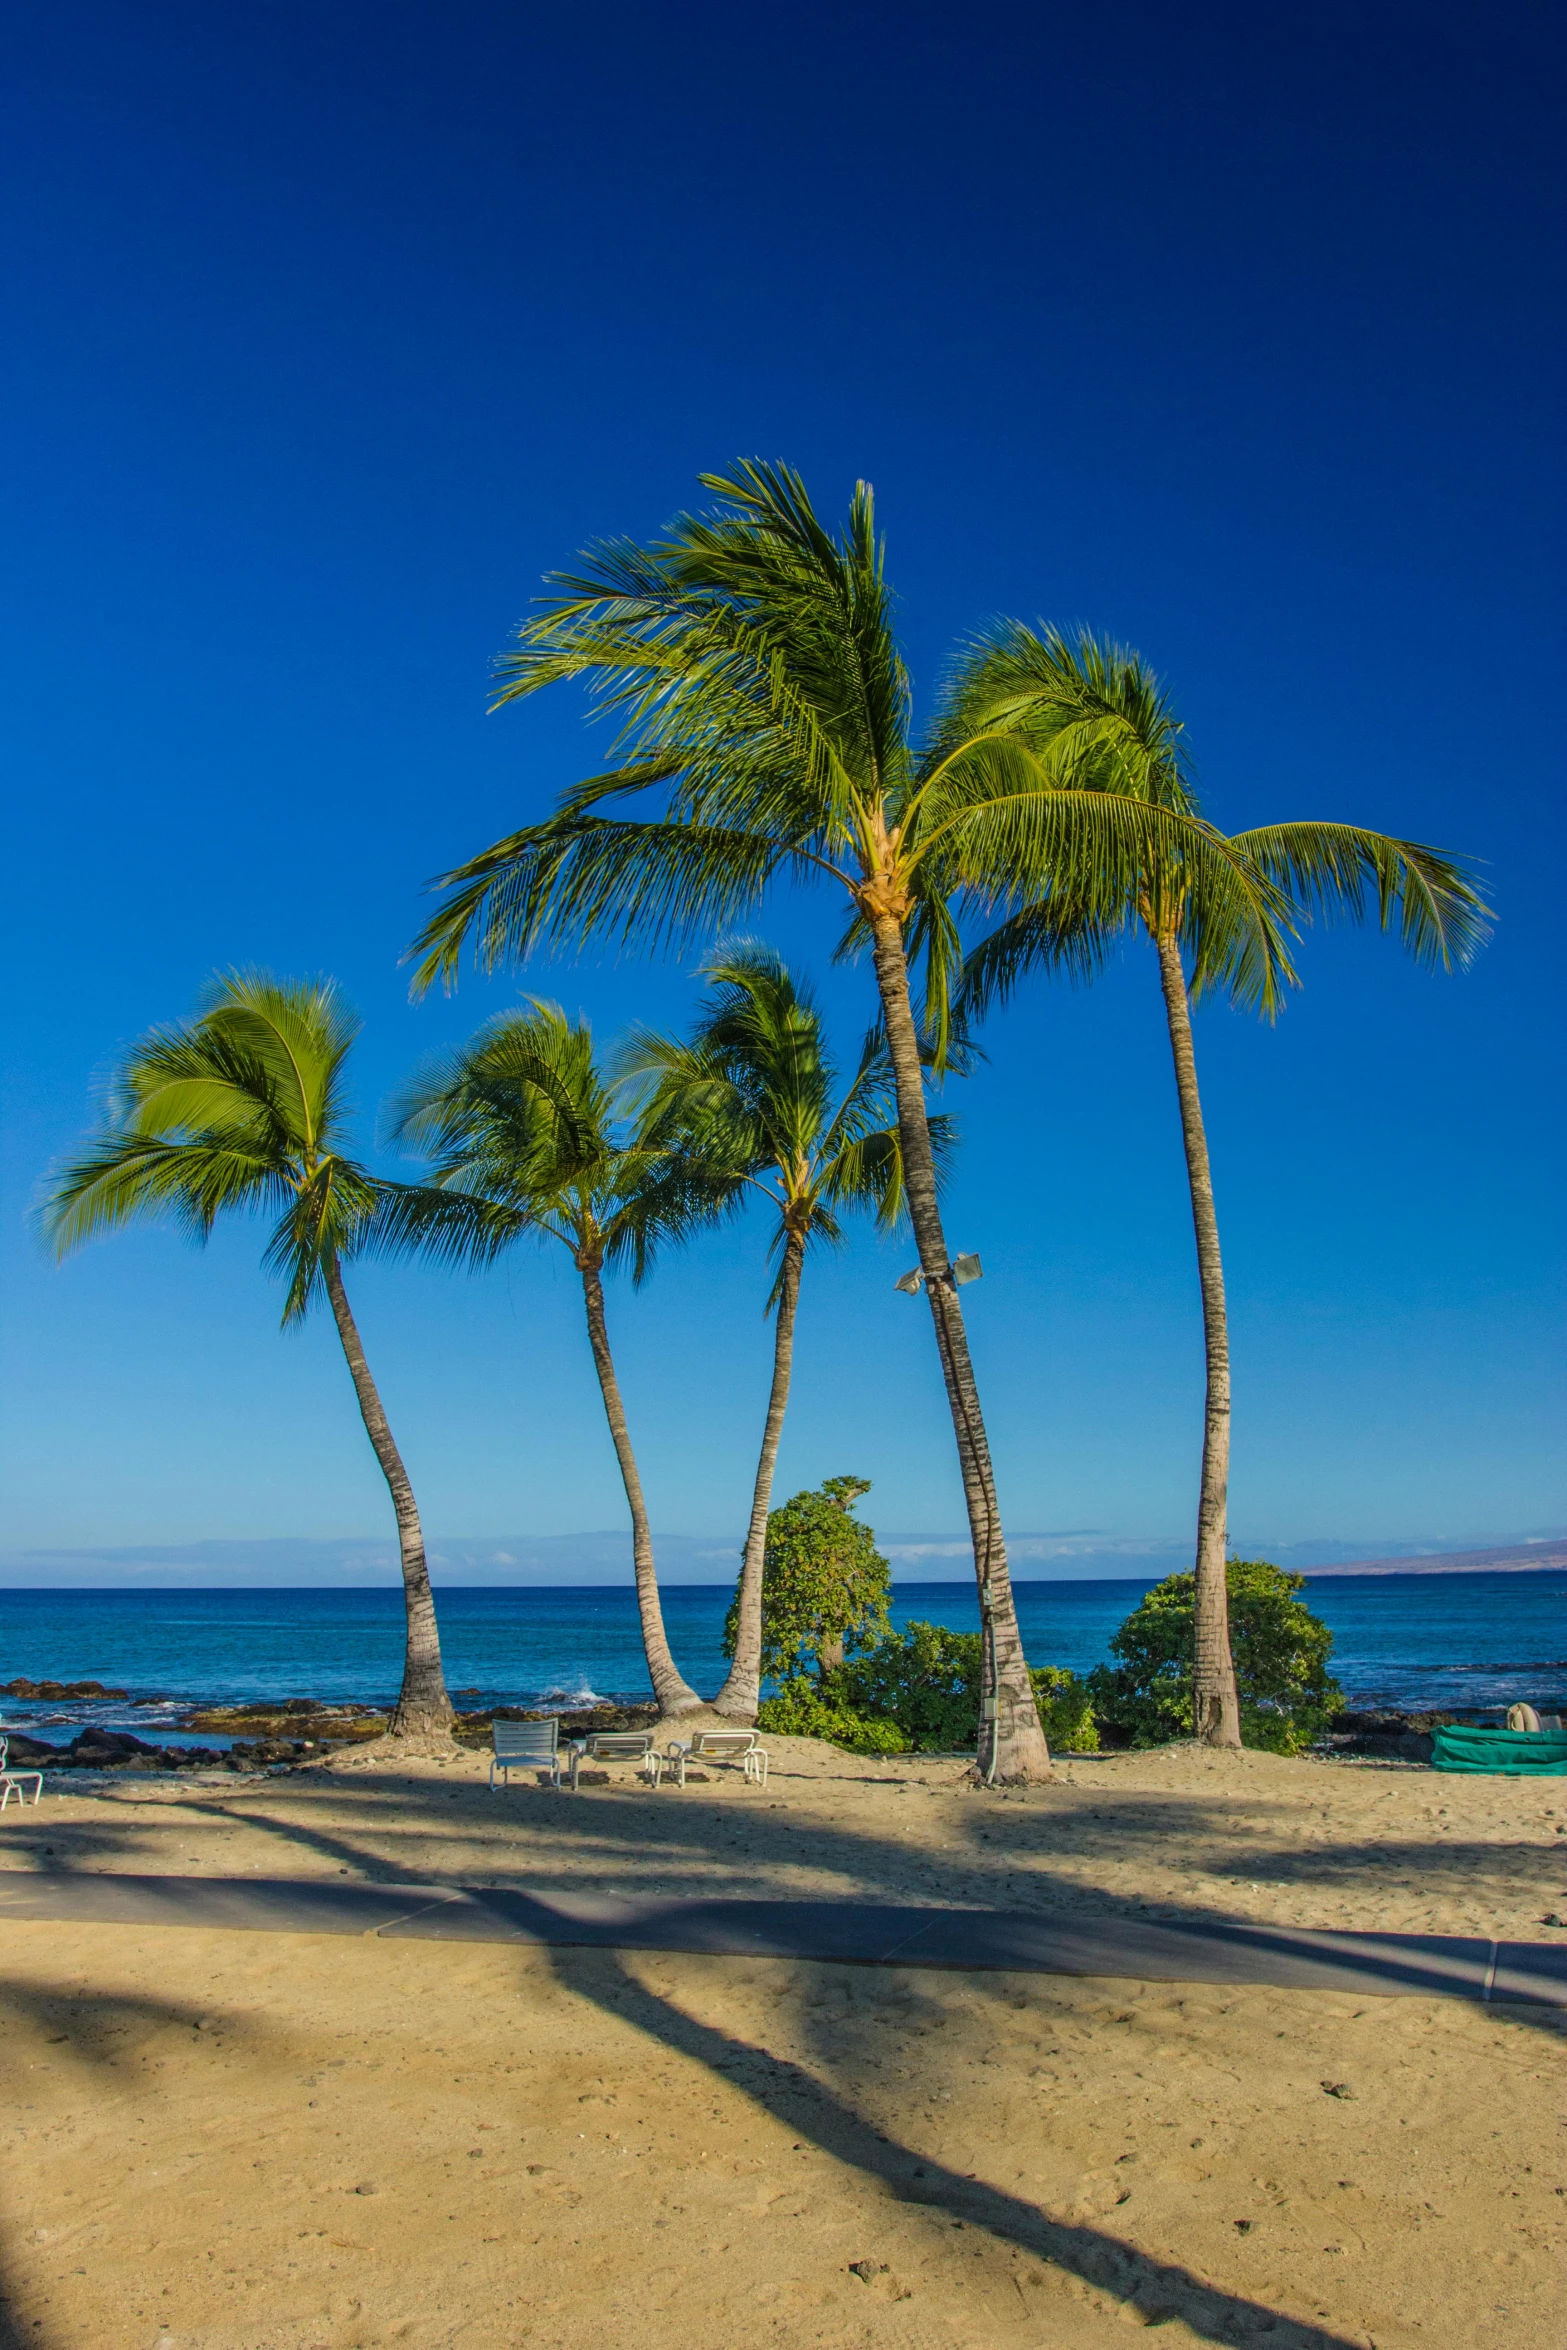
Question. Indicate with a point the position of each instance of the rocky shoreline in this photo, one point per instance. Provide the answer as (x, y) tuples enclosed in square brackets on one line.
[(266, 1734), (269, 1733)]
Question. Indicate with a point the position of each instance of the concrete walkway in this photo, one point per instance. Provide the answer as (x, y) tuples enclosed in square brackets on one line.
[(862, 1934)]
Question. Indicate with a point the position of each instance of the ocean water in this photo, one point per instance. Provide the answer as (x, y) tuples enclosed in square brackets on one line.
[(1470, 1641)]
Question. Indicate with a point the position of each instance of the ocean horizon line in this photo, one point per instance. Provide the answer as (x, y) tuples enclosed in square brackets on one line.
[(601, 1560)]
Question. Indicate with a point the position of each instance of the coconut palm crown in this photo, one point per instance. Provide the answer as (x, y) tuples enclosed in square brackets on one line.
[(522, 1130), (751, 1102), (1097, 718), (244, 1110)]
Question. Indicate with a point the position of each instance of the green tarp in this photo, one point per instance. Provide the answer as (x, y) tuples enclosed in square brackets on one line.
[(1509, 1754)]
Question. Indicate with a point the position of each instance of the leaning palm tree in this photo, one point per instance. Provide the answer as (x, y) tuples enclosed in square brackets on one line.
[(750, 659), (1097, 717), (747, 1101), (521, 1126), (244, 1108)]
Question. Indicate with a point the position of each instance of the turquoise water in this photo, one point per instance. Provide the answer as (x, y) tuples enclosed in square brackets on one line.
[(1401, 1640)]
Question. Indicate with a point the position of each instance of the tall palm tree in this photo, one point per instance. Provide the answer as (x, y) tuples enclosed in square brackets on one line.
[(244, 1109), (521, 1124), (748, 1102), (1097, 717), (750, 659)]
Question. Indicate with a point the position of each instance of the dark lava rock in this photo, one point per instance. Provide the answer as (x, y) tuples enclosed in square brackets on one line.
[(280, 1705), (114, 1750), (95, 1745), (263, 1753), (57, 1689), (1395, 1737), (473, 1728), (345, 1724), (22, 1749)]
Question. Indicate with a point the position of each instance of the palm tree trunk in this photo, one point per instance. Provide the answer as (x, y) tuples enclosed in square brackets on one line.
[(674, 1694), (742, 1691), (1215, 1709), (1013, 1745), (423, 1708)]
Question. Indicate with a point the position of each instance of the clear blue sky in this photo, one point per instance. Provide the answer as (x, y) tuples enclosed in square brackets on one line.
[(1234, 331)]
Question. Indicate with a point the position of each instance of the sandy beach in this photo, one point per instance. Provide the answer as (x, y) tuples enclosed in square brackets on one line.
[(223, 2141)]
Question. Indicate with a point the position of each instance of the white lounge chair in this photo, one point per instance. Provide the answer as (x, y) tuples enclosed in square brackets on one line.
[(718, 1746), (618, 1746), (525, 1746), (15, 1782)]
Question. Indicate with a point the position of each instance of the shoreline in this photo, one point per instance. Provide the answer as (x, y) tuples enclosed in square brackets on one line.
[(304, 1731)]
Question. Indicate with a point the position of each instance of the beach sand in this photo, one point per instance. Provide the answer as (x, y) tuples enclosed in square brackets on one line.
[(224, 2141)]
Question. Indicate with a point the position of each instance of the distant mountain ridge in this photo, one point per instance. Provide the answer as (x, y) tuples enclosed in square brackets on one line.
[(1509, 1558), (1082, 1554)]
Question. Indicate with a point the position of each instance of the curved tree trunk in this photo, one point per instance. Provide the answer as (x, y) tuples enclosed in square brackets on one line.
[(1013, 1746), (742, 1691), (1215, 1710), (674, 1694), (423, 1708)]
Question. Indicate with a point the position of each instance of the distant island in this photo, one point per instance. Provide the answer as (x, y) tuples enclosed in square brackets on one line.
[(1512, 1558)]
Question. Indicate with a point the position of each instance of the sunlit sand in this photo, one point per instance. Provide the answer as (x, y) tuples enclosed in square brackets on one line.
[(221, 2141)]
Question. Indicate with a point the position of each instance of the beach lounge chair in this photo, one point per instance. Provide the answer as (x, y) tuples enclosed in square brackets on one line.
[(15, 1782), (719, 1746), (617, 1746), (525, 1746)]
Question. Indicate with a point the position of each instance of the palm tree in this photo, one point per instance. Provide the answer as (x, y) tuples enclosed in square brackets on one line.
[(748, 1103), (520, 1124), (1097, 716), (751, 661), (244, 1108)]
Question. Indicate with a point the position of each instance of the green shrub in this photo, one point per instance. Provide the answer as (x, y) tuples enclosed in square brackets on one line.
[(926, 1680), (798, 1710), (1281, 1655), (1066, 1710), (825, 1585)]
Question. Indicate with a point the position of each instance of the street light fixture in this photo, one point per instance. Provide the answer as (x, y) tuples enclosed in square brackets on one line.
[(961, 1271)]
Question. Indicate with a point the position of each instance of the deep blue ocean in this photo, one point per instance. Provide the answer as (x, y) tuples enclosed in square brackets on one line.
[(1469, 1640)]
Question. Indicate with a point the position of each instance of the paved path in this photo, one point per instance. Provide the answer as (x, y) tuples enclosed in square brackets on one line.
[(858, 1933)]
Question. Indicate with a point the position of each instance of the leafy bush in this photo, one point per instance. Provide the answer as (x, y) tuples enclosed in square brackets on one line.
[(1281, 1655), (799, 1710), (825, 1585), (1066, 1710), (926, 1680)]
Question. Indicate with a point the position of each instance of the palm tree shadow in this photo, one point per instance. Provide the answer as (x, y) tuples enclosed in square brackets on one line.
[(808, 2107)]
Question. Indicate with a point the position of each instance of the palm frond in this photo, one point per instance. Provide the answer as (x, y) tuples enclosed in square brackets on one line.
[(131, 1178), (577, 879), (1088, 706), (299, 1034), (1344, 870), (449, 1226)]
